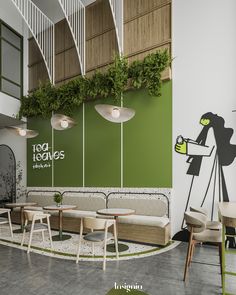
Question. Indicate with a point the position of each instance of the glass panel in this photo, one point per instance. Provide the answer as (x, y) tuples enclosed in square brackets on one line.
[(11, 62), (11, 88), (11, 37)]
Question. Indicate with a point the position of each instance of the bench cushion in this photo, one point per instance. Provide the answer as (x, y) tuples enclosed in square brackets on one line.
[(78, 213), (84, 201), (33, 208), (144, 220), (151, 206), (41, 200)]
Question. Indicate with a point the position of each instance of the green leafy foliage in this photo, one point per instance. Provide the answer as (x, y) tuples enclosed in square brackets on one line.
[(66, 98), (58, 198), (147, 73)]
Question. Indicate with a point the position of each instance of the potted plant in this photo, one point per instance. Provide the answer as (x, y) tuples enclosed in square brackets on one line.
[(58, 199)]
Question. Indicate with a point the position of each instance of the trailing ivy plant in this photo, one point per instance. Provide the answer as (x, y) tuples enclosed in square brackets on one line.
[(147, 73), (68, 97)]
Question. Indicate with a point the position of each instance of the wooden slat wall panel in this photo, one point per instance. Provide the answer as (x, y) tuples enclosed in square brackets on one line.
[(147, 31), (60, 36), (140, 55), (34, 53), (60, 66), (135, 8), (72, 67), (37, 73), (98, 19), (147, 28), (100, 50), (68, 37)]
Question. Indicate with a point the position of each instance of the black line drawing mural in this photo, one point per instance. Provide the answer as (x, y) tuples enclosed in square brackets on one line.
[(223, 153)]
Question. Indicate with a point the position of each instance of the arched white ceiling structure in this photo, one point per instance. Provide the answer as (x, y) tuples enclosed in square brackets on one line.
[(117, 14), (74, 11), (42, 29)]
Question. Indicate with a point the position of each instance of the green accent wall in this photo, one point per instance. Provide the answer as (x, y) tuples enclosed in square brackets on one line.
[(147, 146), (69, 171), (39, 176), (148, 139), (102, 148)]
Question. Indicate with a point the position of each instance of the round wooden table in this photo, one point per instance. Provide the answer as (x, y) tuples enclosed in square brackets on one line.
[(22, 206), (115, 213), (60, 209)]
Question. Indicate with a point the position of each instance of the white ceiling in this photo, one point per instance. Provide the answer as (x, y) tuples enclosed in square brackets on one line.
[(53, 10)]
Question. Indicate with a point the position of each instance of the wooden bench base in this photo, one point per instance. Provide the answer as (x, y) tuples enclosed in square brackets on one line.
[(131, 232), (144, 233)]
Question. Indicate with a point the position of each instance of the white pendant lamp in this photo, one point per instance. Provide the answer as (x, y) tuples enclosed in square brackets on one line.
[(115, 114), (62, 122), (23, 132)]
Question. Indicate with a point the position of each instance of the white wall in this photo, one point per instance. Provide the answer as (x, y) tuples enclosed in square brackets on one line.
[(8, 13), (204, 79), (8, 105)]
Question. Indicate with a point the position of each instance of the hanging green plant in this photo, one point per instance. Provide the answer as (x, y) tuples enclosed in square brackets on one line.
[(147, 73), (68, 97), (118, 77)]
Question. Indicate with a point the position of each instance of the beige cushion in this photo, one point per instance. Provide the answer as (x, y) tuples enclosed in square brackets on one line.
[(41, 200), (199, 210), (83, 201), (144, 220), (213, 236), (213, 225), (33, 208), (86, 201), (195, 220), (79, 213), (141, 205)]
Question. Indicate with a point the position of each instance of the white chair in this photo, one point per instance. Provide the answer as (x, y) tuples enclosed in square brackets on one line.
[(96, 235), (213, 225), (4, 220), (196, 224), (35, 227)]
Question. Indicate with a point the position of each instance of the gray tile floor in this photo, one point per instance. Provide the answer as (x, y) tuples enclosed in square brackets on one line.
[(160, 274)]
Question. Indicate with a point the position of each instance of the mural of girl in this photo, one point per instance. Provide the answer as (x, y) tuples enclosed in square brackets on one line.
[(222, 152)]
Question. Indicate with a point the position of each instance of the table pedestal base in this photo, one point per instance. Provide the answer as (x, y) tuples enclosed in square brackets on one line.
[(61, 237), (121, 248)]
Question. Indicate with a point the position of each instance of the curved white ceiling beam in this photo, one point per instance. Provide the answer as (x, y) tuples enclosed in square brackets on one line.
[(42, 29), (117, 14), (74, 11)]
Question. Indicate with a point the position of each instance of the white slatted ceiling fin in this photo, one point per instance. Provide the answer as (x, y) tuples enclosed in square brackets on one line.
[(74, 11), (42, 29), (117, 14)]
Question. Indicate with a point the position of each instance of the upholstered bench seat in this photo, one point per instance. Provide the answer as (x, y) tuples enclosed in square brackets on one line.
[(149, 224), (144, 220), (78, 213), (33, 208)]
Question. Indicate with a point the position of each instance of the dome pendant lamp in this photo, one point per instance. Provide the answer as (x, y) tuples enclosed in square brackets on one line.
[(62, 122), (115, 114), (26, 133)]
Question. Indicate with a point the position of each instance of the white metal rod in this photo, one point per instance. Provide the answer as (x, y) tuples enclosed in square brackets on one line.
[(74, 12), (40, 26)]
